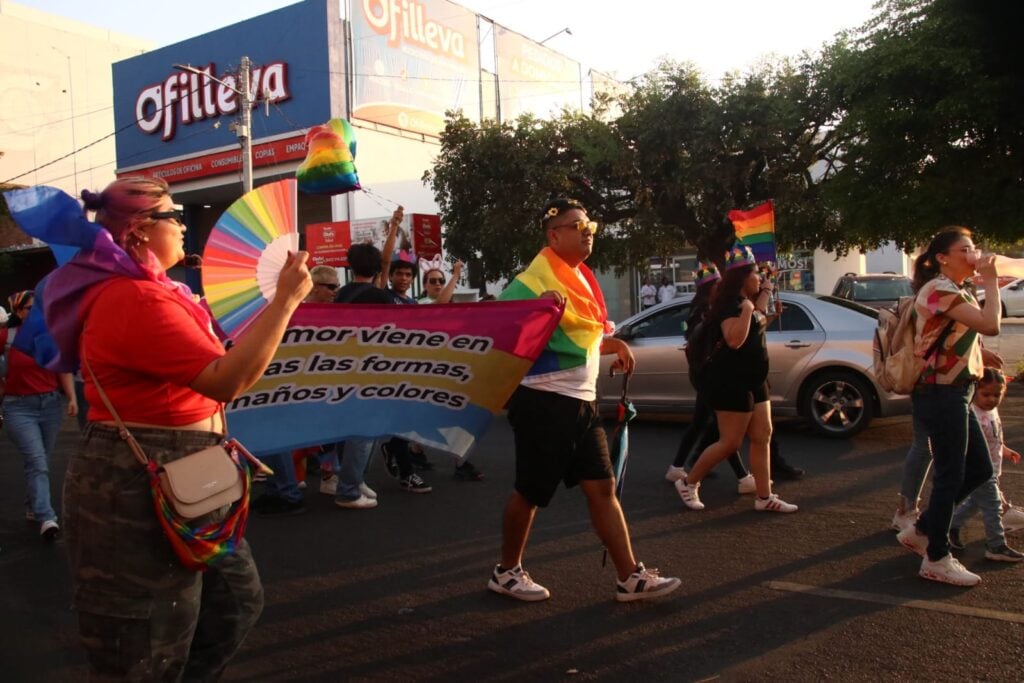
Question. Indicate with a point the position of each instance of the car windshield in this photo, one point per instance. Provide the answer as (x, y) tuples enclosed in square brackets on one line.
[(881, 290)]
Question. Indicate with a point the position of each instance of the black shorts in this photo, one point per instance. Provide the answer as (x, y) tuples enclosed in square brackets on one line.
[(735, 397), (558, 439)]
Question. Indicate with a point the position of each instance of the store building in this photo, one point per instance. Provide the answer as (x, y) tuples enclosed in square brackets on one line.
[(392, 69)]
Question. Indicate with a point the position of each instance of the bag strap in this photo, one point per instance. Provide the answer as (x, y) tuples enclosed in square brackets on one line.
[(126, 435)]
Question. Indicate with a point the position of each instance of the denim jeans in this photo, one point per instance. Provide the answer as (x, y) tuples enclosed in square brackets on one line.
[(987, 499), (916, 464), (354, 460), (959, 453), (283, 483), (32, 423)]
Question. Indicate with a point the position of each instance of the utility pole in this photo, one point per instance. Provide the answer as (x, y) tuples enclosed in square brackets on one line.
[(243, 126)]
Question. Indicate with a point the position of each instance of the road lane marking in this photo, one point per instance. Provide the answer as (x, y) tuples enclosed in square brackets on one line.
[(878, 598)]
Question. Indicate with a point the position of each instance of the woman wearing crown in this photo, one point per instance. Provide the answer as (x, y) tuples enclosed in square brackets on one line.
[(739, 393)]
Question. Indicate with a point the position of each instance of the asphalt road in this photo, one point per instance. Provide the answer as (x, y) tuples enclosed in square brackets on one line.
[(398, 593)]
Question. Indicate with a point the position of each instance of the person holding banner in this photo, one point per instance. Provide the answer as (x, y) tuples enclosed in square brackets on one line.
[(553, 412), (145, 340), (352, 491)]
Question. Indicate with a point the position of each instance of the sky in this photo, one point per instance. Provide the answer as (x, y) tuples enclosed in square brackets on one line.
[(623, 38)]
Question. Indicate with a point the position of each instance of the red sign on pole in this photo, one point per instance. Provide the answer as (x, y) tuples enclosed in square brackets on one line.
[(426, 235), (328, 243)]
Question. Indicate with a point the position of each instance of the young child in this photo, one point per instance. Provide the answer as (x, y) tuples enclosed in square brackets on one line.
[(987, 497)]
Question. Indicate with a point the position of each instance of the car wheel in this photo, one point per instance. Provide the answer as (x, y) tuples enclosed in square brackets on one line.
[(837, 404)]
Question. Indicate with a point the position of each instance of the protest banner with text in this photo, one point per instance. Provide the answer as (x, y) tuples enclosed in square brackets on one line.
[(435, 375)]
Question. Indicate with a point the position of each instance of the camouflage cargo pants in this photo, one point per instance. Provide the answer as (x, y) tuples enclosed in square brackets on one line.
[(142, 615)]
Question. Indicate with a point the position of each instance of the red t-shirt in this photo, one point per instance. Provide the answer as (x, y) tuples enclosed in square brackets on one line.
[(24, 377), (145, 346)]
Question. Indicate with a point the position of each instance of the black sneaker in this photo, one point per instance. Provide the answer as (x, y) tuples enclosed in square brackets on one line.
[(784, 471), (954, 540), (276, 506), (1004, 553), (390, 461), (468, 472), (413, 484)]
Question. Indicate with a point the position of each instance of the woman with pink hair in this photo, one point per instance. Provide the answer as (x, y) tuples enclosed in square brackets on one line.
[(143, 340)]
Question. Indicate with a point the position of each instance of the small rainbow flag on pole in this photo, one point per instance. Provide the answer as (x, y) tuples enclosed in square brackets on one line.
[(756, 229)]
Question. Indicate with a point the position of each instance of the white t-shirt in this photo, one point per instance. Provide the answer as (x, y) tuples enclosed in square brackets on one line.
[(992, 428), (666, 293), (648, 295)]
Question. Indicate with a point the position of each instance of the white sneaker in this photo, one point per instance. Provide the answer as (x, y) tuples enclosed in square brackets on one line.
[(643, 584), (360, 503), (746, 485), (302, 485), (689, 494), (329, 486), (773, 504), (906, 513), (948, 570), (517, 583), (49, 530), (902, 520), (674, 474), (913, 540), (1013, 519), (367, 491)]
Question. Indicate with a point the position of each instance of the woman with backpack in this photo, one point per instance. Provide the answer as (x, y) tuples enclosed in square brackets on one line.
[(950, 319), (702, 425), (736, 380)]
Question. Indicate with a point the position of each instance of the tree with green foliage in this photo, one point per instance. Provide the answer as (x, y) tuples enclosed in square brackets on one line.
[(700, 151), (665, 173), (927, 99)]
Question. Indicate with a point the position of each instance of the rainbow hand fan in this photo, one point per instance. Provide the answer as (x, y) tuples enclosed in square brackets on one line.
[(245, 253)]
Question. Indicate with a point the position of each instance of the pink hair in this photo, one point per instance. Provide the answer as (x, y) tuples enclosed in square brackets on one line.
[(124, 206)]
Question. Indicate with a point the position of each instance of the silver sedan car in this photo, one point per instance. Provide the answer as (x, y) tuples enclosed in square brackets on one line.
[(820, 352)]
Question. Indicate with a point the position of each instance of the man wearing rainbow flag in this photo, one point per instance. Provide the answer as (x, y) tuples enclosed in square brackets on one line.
[(553, 413)]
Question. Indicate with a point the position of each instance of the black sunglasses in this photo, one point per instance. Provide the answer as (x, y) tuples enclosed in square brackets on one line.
[(435, 281), (329, 285), (173, 215)]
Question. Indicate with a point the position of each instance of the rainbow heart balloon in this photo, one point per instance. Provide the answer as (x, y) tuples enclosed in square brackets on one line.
[(329, 167)]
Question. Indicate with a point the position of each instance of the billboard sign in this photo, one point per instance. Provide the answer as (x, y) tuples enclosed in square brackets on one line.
[(533, 79), (414, 59), (163, 114)]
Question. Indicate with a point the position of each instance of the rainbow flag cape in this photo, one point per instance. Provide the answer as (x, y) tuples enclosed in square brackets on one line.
[(585, 320), (756, 229)]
